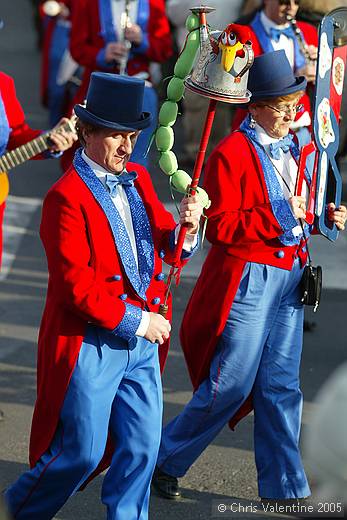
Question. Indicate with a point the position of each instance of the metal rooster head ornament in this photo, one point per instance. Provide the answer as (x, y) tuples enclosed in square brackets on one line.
[(221, 70)]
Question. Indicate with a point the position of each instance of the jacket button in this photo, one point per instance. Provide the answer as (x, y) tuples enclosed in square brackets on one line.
[(280, 254), (117, 277), (123, 296), (155, 301), (162, 253), (160, 276)]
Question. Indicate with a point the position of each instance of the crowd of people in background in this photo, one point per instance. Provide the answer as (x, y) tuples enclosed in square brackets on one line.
[(70, 51)]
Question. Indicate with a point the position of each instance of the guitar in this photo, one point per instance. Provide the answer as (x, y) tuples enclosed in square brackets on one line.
[(25, 152)]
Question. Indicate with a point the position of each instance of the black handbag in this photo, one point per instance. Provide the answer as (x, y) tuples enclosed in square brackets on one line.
[(311, 284)]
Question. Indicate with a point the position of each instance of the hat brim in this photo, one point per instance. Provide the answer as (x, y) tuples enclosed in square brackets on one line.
[(131, 126), (300, 84)]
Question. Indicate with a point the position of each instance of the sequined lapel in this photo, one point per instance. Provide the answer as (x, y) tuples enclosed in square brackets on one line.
[(138, 277)]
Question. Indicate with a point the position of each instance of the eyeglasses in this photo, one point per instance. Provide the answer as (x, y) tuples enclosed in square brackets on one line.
[(285, 110), (288, 2)]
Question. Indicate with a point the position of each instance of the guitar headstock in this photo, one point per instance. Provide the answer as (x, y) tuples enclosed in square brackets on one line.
[(72, 120)]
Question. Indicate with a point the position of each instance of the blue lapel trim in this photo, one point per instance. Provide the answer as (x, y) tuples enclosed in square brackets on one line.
[(143, 236), (262, 35), (4, 128), (143, 15), (108, 30), (138, 277), (280, 206), (266, 45)]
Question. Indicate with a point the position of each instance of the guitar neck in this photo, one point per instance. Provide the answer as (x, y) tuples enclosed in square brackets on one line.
[(29, 150)]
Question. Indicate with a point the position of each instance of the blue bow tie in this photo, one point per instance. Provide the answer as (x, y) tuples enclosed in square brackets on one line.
[(282, 144), (276, 33), (125, 179)]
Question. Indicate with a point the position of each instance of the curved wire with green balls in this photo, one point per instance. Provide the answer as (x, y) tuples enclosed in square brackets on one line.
[(164, 135)]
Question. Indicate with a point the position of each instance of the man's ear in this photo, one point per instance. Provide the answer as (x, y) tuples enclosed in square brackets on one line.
[(252, 110), (85, 134)]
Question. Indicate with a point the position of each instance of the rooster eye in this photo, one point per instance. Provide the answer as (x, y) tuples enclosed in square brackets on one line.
[(232, 39), (224, 38)]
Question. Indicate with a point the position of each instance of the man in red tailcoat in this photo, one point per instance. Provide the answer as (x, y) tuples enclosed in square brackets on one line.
[(122, 37), (14, 132), (105, 234)]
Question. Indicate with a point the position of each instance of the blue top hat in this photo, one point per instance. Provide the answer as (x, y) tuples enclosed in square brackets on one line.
[(115, 102), (271, 76)]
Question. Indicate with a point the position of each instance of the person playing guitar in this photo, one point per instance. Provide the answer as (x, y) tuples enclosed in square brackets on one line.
[(14, 132)]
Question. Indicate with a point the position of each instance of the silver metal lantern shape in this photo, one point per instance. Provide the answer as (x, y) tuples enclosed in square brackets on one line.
[(221, 68)]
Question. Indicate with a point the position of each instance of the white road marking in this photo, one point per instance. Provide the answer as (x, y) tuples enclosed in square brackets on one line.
[(18, 214)]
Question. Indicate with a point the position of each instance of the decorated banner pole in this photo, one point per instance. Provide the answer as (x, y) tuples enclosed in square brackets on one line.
[(220, 74), (318, 156)]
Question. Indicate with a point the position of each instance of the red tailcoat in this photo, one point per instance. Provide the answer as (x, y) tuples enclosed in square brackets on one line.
[(86, 40), (20, 132), (311, 38), (82, 262), (241, 228), (309, 32)]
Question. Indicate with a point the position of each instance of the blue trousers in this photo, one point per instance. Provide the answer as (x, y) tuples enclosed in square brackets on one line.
[(260, 349), (116, 387), (150, 104)]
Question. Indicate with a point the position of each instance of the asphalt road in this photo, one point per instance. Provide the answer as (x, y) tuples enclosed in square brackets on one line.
[(225, 473)]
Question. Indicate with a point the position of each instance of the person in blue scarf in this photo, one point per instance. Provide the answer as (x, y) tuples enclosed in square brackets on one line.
[(242, 330)]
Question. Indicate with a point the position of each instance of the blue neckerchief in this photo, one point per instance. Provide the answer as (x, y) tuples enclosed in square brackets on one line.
[(138, 277), (108, 30), (266, 45), (280, 206), (4, 128), (124, 179), (282, 144), (275, 33)]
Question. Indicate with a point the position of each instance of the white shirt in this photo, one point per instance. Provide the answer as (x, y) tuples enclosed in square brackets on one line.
[(118, 14), (119, 20), (285, 43), (286, 169), (120, 200)]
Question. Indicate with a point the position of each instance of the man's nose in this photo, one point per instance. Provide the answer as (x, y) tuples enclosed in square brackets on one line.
[(290, 116), (128, 145), (292, 4)]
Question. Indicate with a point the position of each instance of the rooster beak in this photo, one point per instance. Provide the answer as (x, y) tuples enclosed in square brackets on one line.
[(229, 54)]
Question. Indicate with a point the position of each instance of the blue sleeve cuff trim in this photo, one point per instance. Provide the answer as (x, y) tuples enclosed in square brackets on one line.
[(143, 47), (130, 322), (48, 154), (100, 60), (185, 254)]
